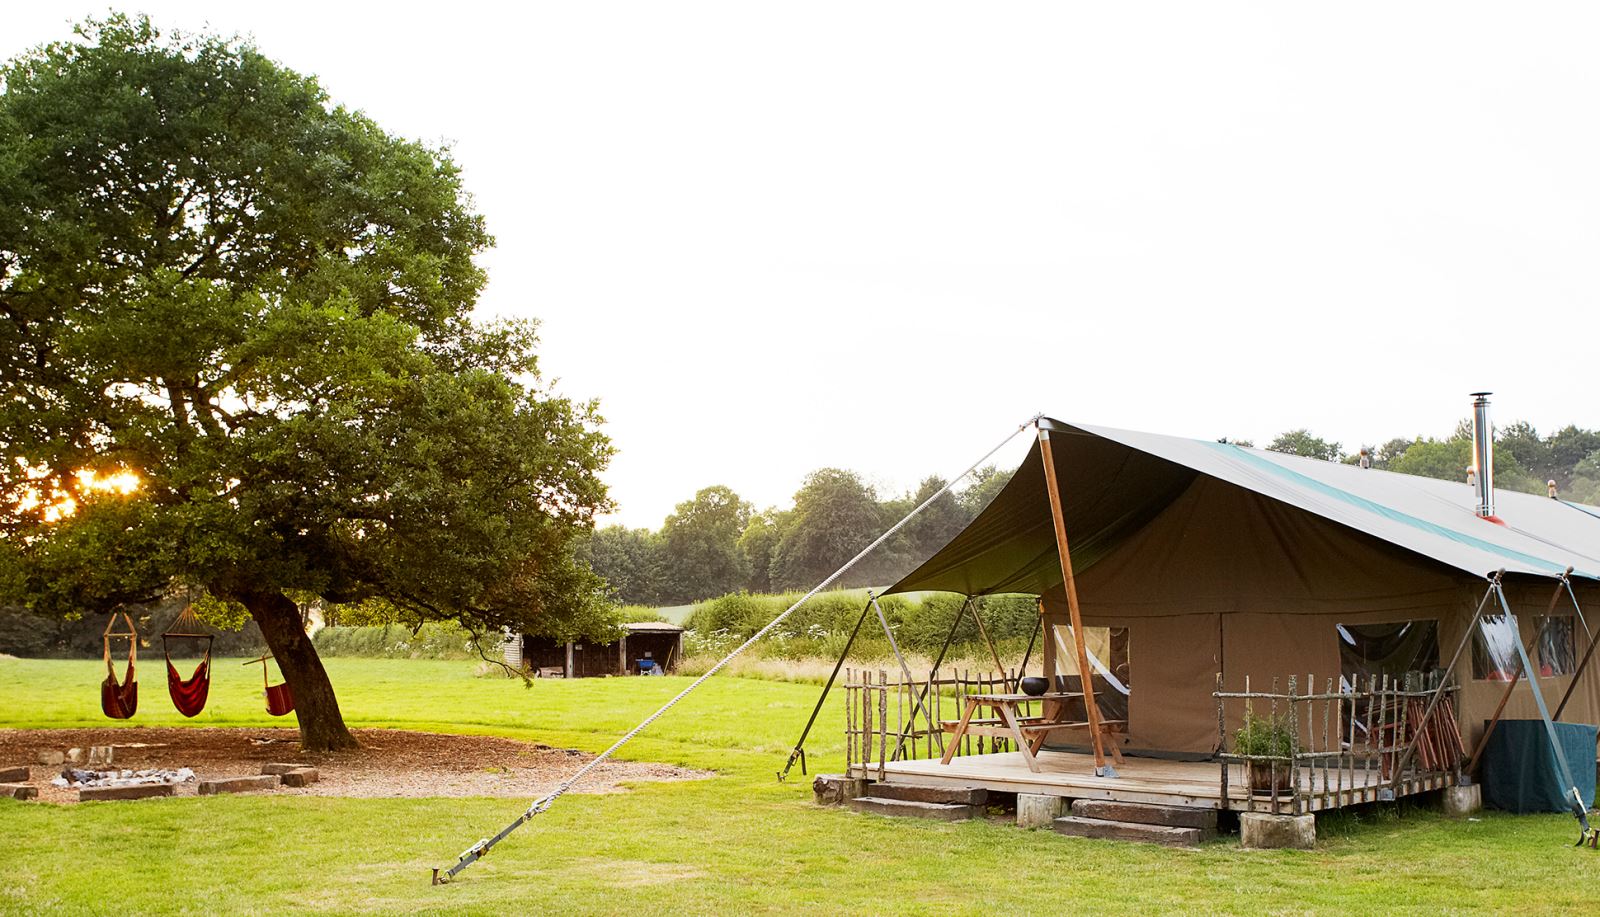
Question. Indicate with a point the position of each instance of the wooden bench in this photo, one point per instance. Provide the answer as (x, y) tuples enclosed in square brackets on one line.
[(1028, 731)]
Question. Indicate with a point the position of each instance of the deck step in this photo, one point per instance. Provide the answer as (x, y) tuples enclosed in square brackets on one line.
[(1103, 829), (923, 792), (1141, 813), (939, 811)]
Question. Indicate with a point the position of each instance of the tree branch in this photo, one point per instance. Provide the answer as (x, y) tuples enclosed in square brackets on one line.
[(511, 672), (180, 413)]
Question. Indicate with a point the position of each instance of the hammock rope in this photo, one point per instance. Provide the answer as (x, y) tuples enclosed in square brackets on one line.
[(477, 851)]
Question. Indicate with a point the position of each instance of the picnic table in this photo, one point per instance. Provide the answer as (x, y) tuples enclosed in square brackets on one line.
[(1029, 731)]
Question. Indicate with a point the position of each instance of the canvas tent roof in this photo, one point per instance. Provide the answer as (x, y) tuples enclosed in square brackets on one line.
[(1115, 481)]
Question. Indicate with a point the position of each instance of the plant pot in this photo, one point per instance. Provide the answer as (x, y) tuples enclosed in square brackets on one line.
[(1262, 778), (1034, 685)]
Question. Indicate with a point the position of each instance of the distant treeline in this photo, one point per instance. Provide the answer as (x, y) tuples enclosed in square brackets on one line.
[(1523, 460), (717, 543), (820, 627)]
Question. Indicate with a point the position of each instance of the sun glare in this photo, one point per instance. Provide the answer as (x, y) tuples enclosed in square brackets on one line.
[(60, 504), (121, 482)]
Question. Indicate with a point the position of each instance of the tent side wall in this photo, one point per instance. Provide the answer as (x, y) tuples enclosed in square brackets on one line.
[(1529, 599), (1225, 579)]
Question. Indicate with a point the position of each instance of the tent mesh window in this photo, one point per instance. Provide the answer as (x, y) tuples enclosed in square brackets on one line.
[(1556, 653), (1494, 648), (1391, 648), (1109, 658)]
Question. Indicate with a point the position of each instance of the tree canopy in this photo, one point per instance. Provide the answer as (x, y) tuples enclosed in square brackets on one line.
[(1301, 442), (700, 541), (256, 304), (836, 514), (630, 562)]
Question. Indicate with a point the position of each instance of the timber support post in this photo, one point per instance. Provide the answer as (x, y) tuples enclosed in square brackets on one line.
[(1033, 637), (905, 672), (799, 752), (1085, 674), (1587, 655), (1516, 677), (925, 693), (1445, 676)]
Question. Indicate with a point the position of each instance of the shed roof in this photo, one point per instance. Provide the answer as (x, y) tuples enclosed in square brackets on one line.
[(652, 627)]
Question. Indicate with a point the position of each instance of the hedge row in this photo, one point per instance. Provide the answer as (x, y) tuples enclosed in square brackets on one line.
[(921, 621), (394, 641)]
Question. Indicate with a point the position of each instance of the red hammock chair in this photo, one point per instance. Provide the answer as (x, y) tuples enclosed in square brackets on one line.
[(119, 701), (188, 695), (280, 700)]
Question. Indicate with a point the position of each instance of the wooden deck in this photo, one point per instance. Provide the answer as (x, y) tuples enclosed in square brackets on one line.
[(1151, 780)]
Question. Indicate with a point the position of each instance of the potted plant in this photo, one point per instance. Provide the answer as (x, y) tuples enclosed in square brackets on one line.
[(1266, 737)]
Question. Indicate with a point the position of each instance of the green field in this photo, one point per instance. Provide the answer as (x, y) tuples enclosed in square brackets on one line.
[(738, 843)]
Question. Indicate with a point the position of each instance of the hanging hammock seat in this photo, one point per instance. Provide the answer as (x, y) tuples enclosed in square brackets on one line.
[(280, 700), (119, 700), (188, 694)]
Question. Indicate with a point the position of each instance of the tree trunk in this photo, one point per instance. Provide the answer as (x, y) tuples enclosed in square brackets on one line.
[(315, 706)]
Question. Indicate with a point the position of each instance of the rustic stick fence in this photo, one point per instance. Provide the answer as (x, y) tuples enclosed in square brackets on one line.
[(1343, 742), (880, 726)]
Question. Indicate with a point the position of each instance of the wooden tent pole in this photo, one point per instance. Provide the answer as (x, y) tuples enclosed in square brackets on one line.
[(1033, 637), (1049, 651), (1588, 654), (1512, 685), (1444, 682), (799, 752), (999, 667), (1085, 674)]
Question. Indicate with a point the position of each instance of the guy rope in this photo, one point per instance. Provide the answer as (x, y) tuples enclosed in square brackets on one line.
[(477, 851)]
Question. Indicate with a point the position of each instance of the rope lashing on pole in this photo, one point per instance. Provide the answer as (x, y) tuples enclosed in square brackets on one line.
[(477, 851)]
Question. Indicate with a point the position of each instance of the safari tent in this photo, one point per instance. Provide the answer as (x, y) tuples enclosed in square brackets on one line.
[(1220, 558), (1210, 577)]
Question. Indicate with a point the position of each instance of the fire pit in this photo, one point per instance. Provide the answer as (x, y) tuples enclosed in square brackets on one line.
[(87, 779)]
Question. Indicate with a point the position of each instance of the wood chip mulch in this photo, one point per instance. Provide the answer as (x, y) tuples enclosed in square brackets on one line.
[(390, 762)]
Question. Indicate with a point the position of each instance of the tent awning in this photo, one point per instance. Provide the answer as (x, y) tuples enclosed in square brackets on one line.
[(1114, 481)]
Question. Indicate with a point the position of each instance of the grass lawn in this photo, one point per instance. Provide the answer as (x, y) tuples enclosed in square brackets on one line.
[(737, 843)]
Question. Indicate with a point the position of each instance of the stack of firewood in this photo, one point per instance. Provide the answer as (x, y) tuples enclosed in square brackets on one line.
[(1439, 745)]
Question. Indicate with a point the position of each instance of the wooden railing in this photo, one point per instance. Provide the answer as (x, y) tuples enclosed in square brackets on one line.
[(879, 722), (1347, 744)]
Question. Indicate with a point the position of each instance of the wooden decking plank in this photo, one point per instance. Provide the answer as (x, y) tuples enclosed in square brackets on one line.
[(1147, 780)]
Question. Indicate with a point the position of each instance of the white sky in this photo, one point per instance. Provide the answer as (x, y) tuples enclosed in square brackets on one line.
[(879, 236)]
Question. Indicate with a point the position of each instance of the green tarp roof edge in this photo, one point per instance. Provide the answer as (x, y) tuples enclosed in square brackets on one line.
[(1115, 481)]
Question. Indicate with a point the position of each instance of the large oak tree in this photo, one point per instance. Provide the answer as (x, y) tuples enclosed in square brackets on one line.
[(260, 303)]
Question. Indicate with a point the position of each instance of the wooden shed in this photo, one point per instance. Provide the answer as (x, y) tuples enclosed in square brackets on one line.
[(646, 645)]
